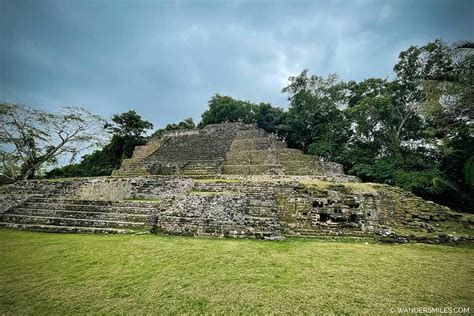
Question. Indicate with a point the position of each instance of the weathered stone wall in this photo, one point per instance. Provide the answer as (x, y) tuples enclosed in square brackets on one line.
[(332, 210), (259, 207)]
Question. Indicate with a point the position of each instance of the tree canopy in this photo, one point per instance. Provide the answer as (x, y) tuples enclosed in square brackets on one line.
[(187, 123), (32, 138), (127, 130), (128, 124)]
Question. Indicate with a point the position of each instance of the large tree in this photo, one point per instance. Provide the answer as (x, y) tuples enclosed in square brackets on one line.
[(417, 130), (31, 138), (127, 130), (128, 124), (315, 120), (187, 123), (227, 109)]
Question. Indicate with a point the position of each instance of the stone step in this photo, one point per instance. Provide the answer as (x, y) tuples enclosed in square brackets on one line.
[(89, 208), (132, 170), (183, 218), (65, 229), (204, 162), (62, 221), (262, 234), (201, 166), (262, 203), (261, 211), (80, 214), (65, 201), (252, 220), (260, 192), (252, 191), (213, 170), (126, 174), (323, 232), (135, 209)]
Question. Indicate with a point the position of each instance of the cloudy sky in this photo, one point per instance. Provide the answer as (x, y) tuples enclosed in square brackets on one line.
[(166, 58)]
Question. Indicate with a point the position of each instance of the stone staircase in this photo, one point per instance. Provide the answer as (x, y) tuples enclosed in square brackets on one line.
[(262, 217), (136, 171), (320, 232), (135, 165), (58, 214), (226, 148), (252, 152), (202, 167)]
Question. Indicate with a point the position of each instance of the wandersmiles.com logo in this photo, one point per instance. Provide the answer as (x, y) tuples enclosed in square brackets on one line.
[(429, 310)]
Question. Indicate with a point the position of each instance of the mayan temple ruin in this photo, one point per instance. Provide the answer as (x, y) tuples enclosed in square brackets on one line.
[(228, 180)]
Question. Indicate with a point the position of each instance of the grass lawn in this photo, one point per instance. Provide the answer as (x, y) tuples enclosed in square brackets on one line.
[(61, 274)]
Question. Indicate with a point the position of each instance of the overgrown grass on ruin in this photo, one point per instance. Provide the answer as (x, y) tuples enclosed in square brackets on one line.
[(61, 274)]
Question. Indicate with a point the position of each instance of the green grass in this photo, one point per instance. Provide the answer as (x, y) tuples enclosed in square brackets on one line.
[(66, 274)]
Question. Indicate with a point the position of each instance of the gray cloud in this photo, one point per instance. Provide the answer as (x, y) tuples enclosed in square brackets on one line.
[(166, 58)]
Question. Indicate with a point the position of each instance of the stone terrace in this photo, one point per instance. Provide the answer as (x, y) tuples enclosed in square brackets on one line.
[(228, 148), (269, 207)]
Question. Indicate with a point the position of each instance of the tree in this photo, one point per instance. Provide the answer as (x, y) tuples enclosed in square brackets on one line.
[(315, 121), (32, 138), (416, 131), (227, 109), (449, 113), (187, 123), (127, 132), (270, 118), (128, 124)]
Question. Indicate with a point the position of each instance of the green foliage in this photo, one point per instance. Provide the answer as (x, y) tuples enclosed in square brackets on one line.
[(469, 172), (416, 131), (30, 139), (128, 124), (380, 170), (226, 109), (100, 162), (315, 119), (127, 134), (269, 118), (184, 124)]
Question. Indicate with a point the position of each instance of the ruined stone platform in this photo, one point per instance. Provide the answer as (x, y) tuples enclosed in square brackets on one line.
[(228, 180), (258, 206), (227, 148)]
